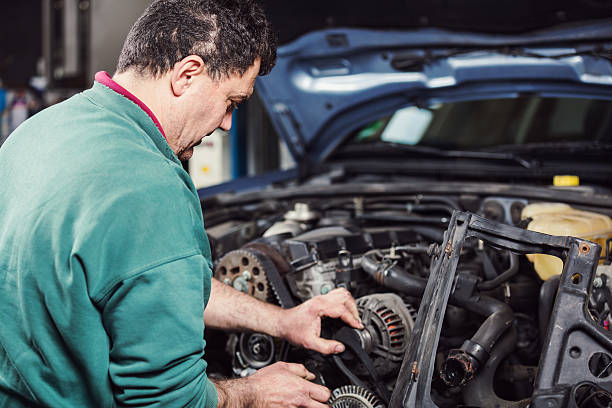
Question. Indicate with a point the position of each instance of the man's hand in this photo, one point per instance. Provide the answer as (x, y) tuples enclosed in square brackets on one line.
[(301, 325), (230, 309), (281, 385)]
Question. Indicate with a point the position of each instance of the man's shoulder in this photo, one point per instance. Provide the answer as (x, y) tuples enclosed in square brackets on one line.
[(75, 121), (85, 115), (81, 136), (85, 150)]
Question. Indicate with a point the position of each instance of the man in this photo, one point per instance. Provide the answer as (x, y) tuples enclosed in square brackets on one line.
[(2, 107), (105, 269)]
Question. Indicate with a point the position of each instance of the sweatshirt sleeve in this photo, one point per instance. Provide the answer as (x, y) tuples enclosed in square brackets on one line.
[(154, 320)]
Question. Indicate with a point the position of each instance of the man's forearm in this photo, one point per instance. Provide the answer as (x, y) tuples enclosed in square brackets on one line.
[(234, 393), (233, 310)]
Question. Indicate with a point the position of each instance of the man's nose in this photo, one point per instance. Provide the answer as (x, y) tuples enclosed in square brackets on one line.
[(226, 124)]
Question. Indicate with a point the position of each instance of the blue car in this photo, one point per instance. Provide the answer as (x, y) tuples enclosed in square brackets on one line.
[(460, 186)]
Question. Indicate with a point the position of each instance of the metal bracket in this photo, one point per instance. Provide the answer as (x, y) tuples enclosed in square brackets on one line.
[(557, 372)]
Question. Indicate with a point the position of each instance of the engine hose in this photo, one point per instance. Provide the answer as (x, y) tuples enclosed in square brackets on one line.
[(404, 219), (420, 200), (413, 249), (430, 208), (480, 392), (437, 199), (461, 363), (524, 294), (504, 276), (500, 317), (392, 276), (433, 234), (411, 208), (548, 293)]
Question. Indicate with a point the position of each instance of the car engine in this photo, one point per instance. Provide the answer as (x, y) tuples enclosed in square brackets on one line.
[(381, 249)]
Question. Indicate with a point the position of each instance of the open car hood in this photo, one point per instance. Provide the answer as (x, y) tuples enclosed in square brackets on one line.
[(329, 83)]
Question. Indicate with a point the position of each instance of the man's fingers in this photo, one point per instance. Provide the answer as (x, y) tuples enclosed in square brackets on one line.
[(325, 346), (344, 307), (319, 393), (347, 299), (352, 306), (300, 371), (287, 384), (349, 319), (340, 311)]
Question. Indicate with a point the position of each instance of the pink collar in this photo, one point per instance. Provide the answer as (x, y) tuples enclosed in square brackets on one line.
[(105, 79)]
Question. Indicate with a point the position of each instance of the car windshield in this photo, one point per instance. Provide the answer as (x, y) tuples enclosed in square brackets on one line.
[(484, 124)]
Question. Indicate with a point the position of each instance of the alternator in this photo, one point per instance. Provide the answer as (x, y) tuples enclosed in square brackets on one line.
[(353, 396), (388, 324)]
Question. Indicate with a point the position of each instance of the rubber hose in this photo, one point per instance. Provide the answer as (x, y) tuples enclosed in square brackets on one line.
[(434, 234), (403, 219), (500, 317), (504, 276), (480, 392), (393, 277)]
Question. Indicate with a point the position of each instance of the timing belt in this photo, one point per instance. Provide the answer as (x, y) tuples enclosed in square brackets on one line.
[(281, 292), (278, 285)]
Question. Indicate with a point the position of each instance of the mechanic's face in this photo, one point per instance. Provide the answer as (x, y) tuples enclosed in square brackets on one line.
[(208, 105)]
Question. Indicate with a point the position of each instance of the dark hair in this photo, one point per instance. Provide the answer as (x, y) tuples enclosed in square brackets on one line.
[(229, 35)]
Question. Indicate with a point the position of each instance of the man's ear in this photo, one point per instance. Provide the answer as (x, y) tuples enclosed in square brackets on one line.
[(183, 71)]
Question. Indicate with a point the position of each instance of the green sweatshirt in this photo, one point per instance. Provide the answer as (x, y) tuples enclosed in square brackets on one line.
[(104, 263)]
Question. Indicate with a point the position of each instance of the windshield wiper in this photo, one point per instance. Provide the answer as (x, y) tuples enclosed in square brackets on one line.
[(469, 154), (554, 147), (461, 154)]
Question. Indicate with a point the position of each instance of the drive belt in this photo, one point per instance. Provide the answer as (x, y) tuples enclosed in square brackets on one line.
[(276, 282)]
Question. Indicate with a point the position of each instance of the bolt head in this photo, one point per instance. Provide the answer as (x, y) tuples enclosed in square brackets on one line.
[(433, 249), (597, 282), (241, 285)]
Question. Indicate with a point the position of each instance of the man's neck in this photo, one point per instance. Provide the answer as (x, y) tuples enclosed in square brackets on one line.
[(150, 91)]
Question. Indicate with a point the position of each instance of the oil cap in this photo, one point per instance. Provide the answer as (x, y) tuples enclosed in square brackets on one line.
[(566, 181)]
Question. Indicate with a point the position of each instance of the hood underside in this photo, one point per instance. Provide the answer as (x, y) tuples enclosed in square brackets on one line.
[(329, 83)]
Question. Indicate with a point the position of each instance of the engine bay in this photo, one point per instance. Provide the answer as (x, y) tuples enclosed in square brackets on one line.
[(383, 248)]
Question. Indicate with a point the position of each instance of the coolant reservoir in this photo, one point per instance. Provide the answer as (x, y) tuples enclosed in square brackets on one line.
[(562, 219)]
